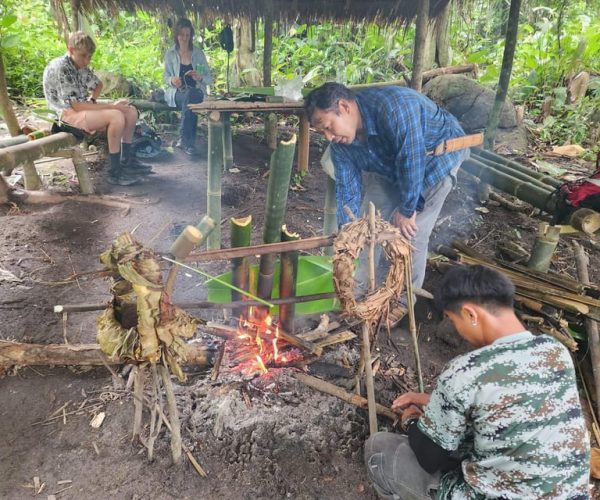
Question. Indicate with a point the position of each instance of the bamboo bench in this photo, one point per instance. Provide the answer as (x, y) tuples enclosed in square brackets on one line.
[(62, 144)]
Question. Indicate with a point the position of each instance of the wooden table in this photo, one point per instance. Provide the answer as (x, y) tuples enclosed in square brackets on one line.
[(220, 147)]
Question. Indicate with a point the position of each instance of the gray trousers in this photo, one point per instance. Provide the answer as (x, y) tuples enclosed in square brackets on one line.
[(394, 470), (383, 194)]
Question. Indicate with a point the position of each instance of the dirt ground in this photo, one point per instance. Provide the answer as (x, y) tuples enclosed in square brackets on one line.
[(266, 438)]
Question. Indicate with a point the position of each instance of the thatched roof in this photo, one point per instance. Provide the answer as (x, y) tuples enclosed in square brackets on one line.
[(381, 11)]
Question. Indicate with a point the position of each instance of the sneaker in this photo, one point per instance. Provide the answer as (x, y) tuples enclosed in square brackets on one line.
[(130, 171), (190, 151)]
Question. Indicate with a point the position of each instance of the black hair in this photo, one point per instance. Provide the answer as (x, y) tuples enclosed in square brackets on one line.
[(326, 98), (479, 285), (183, 23)]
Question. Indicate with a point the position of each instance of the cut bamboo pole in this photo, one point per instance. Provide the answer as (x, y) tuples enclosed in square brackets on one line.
[(277, 194), (523, 174), (591, 326), (366, 329), (585, 220), (338, 392), (543, 247), (303, 143), (287, 281), (14, 353), (227, 141), (534, 195), (13, 141), (496, 158), (241, 235), (215, 169), (330, 212), (13, 156), (190, 237)]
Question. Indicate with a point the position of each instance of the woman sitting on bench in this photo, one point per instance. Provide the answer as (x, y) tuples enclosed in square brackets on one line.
[(71, 89), (186, 74)]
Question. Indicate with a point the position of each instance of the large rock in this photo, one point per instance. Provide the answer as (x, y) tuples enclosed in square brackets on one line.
[(115, 85), (469, 101), (472, 103)]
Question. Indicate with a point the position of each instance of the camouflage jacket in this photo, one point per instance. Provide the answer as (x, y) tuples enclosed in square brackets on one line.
[(512, 411)]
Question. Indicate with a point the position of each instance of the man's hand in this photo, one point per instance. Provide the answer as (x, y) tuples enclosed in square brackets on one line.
[(408, 400), (175, 80), (121, 105), (407, 225)]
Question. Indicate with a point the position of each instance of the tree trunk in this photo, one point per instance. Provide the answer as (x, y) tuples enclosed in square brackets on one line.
[(6, 108), (442, 37), (420, 47), (245, 58), (75, 9), (507, 64), (270, 121)]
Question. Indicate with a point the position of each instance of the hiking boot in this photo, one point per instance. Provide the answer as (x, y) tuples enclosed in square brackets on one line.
[(120, 178), (134, 171), (190, 151), (136, 167)]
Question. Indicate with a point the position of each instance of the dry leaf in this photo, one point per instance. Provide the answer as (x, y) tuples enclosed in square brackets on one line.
[(483, 210), (569, 150)]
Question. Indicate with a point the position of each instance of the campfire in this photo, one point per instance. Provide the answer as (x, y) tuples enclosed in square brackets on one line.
[(258, 344)]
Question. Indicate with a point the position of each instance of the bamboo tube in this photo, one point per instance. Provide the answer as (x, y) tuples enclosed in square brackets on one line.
[(508, 169), (32, 179), (544, 247), (13, 156), (81, 169), (338, 392), (215, 168), (227, 144), (330, 211), (241, 235), (585, 220), (277, 194), (533, 195), (287, 281), (484, 153)]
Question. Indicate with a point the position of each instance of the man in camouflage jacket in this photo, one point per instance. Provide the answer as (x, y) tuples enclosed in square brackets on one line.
[(503, 421)]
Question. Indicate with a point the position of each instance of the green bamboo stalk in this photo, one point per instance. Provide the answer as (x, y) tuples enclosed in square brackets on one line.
[(287, 281), (241, 234), (330, 212), (496, 158), (543, 247), (282, 160), (534, 195), (509, 170), (227, 145), (215, 169)]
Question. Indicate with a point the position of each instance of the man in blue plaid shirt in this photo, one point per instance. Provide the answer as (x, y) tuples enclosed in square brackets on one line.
[(388, 132)]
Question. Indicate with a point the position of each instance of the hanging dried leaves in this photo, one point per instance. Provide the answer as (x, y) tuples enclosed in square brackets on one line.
[(141, 324), (347, 246)]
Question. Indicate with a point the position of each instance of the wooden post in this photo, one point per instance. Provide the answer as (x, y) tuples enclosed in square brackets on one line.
[(81, 169), (227, 144), (277, 193), (420, 46), (32, 179), (512, 28), (215, 169), (287, 281), (303, 143), (6, 109), (366, 329)]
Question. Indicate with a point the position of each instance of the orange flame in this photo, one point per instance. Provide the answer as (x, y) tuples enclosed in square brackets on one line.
[(261, 365)]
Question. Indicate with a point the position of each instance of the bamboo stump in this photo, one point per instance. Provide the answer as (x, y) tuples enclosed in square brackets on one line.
[(544, 247), (287, 281), (241, 236), (215, 169), (81, 169), (32, 179)]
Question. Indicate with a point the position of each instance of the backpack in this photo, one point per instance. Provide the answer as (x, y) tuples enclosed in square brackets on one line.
[(146, 142), (582, 193)]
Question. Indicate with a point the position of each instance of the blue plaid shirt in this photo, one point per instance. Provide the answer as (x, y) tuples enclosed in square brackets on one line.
[(401, 126)]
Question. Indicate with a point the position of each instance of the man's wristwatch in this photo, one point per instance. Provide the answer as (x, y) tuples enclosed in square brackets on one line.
[(92, 99)]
